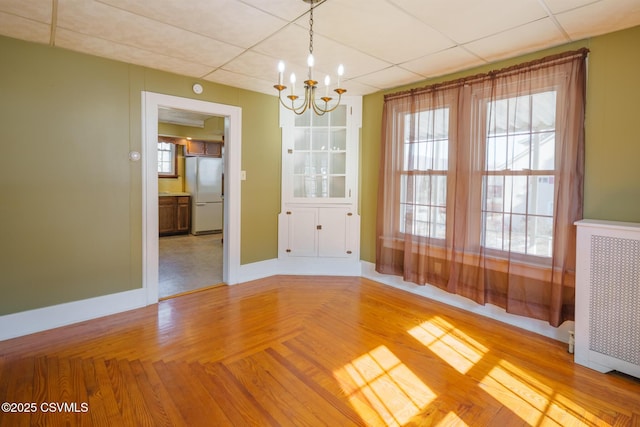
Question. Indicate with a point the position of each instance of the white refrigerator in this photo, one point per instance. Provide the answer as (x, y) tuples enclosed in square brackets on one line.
[(203, 179)]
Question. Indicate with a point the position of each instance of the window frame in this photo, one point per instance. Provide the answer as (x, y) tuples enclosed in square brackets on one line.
[(174, 152), (480, 102), (447, 173)]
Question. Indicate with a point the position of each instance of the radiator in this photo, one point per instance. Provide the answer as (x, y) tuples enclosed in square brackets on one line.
[(607, 321)]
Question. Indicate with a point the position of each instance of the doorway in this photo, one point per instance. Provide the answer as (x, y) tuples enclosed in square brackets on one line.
[(151, 103)]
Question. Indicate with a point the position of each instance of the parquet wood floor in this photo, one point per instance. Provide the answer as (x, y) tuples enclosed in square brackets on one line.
[(304, 351)]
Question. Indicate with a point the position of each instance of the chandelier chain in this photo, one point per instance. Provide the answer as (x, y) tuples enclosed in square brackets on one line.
[(311, 29)]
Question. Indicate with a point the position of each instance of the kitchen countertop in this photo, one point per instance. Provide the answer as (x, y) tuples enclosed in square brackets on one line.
[(171, 193)]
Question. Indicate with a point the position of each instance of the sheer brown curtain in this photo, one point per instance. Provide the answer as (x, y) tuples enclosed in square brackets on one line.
[(481, 182)]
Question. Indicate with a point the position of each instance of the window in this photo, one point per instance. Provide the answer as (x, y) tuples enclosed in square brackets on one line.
[(519, 174), (167, 160), (423, 181), (480, 185)]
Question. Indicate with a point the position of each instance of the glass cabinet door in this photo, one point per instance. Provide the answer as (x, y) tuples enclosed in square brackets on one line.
[(320, 155)]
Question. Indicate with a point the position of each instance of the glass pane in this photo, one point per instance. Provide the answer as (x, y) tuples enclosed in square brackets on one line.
[(497, 114), (493, 226), (422, 190), (304, 119), (299, 186), (301, 163), (301, 139), (540, 230), (496, 153), (439, 190), (519, 152), (320, 121), (339, 139), (544, 111), (494, 193), (543, 151), (311, 186), (338, 163), (337, 188), (339, 116), (519, 114), (319, 163), (319, 139), (515, 194), (541, 195), (518, 233)]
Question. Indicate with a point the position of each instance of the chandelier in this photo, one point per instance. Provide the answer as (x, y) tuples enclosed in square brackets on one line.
[(321, 105)]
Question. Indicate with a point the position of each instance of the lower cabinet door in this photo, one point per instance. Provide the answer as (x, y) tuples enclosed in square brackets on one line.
[(302, 232), (333, 234)]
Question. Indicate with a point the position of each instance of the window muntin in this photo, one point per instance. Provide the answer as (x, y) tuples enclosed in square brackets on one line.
[(423, 180), (519, 176), (167, 159)]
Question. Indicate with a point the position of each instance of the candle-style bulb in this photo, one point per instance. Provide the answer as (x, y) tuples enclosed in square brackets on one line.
[(280, 71)]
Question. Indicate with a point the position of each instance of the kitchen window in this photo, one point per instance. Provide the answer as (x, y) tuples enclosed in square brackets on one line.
[(167, 160)]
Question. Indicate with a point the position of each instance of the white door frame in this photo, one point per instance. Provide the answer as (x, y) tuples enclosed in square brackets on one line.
[(233, 148)]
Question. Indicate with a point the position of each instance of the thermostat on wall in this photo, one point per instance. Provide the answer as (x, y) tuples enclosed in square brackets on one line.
[(197, 88)]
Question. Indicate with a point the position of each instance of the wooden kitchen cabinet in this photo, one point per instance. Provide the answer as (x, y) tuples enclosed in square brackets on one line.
[(174, 215), (203, 148)]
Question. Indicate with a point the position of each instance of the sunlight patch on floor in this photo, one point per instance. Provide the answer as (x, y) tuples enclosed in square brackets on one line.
[(452, 345), (533, 401), (388, 386)]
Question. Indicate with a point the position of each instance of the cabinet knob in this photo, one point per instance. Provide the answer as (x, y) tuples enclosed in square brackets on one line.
[(318, 227), (349, 252)]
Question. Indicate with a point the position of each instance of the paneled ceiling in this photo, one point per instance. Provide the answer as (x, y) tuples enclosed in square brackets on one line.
[(382, 43)]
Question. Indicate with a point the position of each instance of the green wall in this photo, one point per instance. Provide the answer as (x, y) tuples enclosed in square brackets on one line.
[(71, 218), (612, 181)]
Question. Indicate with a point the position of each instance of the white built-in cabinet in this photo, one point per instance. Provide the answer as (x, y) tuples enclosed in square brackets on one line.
[(319, 223)]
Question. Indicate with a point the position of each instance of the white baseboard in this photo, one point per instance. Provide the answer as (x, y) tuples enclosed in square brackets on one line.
[(257, 270), (42, 319), (319, 266), (497, 313)]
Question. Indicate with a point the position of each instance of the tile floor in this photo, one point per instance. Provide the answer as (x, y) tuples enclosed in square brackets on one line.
[(189, 262)]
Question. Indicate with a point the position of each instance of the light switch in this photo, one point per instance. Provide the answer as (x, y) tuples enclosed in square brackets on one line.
[(243, 175)]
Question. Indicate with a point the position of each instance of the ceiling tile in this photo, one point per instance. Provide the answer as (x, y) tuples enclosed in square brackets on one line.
[(230, 21), (599, 18), (24, 29), (443, 62), (108, 49), (289, 10), (558, 6), (34, 10), (246, 82), (524, 39), (108, 23), (464, 21), (291, 45), (377, 28), (389, 78)]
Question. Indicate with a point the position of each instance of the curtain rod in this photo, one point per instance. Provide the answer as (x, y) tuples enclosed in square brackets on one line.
[(531, 65)]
